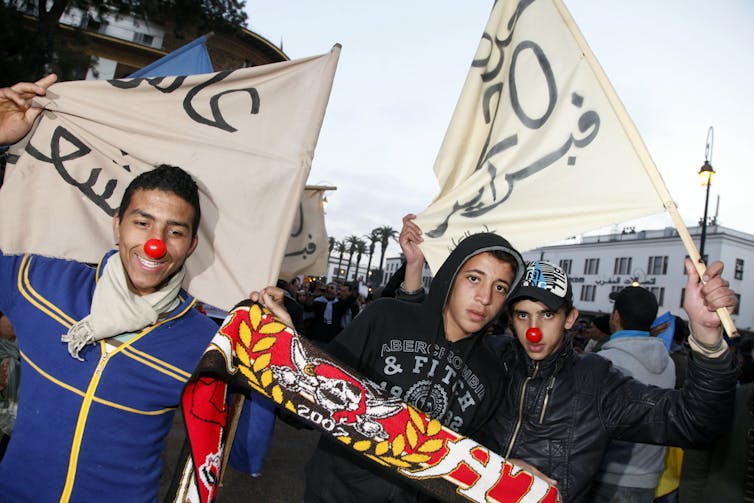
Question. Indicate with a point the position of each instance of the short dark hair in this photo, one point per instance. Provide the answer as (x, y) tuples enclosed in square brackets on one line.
[(506, 257), (166, 178), (637, 307)]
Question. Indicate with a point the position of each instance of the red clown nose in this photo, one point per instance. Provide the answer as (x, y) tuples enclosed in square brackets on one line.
[(155, 248), (533, 335)]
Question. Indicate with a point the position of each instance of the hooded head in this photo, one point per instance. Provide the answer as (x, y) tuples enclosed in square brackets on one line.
[(470, 287)]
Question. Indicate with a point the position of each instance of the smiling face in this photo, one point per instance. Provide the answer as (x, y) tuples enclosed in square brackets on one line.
[(156, 214), (528, 313), (477, 295)]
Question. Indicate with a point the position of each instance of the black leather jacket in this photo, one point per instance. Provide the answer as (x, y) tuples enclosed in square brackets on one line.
[(559, 414)]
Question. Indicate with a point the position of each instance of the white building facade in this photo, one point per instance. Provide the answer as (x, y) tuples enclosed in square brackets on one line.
[(599, 265)]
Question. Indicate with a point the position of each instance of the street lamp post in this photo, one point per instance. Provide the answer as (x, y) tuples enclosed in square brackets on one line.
[(705, 175)]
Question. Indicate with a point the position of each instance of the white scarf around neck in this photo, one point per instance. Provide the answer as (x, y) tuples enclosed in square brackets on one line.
[(116, 309)]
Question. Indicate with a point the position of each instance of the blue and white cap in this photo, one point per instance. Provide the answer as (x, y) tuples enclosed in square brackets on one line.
[(546, 283)]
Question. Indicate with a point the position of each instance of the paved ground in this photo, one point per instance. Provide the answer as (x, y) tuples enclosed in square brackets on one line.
[(282, 479)]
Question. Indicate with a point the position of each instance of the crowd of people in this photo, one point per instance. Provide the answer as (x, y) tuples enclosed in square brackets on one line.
[(488, 351), (320, 310)]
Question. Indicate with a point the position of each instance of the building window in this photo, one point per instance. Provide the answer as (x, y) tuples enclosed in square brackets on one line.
[(566, 264), (622, 265), (591, 266), (739, 272), (657, 265), (587, 293), (616, 288), (683, 296), (738, 296), (143, 38), (659, 293), (88, 22)]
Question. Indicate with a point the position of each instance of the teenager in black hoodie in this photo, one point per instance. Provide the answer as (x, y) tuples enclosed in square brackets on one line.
[(428, 354)]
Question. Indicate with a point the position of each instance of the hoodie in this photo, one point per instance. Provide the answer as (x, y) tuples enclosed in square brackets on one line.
[(402, 347), (646, 359)]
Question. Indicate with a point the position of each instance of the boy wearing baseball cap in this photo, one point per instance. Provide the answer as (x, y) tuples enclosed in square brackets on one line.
[(561, 408)]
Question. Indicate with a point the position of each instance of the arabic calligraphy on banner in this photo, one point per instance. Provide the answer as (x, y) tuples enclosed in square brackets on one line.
[(535, 150), (246, 136), (306, 253)]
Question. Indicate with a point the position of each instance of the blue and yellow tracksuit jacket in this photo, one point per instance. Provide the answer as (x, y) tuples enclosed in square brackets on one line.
[(89, 431)]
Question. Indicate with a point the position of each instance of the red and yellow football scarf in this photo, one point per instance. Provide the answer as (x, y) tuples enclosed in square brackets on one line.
[(255, 351)]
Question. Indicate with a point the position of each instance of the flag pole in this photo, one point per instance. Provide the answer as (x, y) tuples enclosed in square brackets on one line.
[(233, 415), (646, 159)]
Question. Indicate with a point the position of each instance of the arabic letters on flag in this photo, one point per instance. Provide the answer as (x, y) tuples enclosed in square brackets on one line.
[(246, 136), (307, 250), (539, 148)]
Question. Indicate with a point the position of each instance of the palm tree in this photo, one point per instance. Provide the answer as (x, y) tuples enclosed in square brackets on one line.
[(351, 242), (361, 249), (373, 240), (385, 233), (340, 248)]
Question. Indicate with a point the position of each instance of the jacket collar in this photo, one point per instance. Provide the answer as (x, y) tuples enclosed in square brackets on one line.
[(550, 365)]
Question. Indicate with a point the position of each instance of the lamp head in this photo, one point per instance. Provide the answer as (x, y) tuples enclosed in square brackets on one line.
[(705, 174)]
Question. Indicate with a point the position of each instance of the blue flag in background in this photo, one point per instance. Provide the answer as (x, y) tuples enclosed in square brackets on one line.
[(190, 59), (666, 333)]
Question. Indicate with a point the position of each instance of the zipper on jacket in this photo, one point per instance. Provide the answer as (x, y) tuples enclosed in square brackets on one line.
[(521, 410), (550, 385)]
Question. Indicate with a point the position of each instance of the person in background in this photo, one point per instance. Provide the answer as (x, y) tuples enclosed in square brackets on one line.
[(630, 471), (305, 299), (348, 306), (325, 326), (295, 310), (598, 332)]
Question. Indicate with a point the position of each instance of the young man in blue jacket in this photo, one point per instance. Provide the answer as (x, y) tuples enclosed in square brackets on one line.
[(105, 351)]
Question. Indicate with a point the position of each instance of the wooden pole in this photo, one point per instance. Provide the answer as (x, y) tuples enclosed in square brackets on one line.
[(233, 414), (641, 150)]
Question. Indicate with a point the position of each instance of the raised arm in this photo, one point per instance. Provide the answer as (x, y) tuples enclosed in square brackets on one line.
[(409, 239), (17, 115)]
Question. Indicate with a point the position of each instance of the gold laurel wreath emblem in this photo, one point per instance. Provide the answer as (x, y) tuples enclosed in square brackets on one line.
[(406, 450), (258, 338)]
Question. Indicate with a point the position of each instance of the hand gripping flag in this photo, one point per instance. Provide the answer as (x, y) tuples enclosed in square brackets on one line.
[(246, 136), (253, 351)]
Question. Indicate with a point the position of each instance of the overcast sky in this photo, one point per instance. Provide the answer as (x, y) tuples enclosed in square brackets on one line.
[(679, 66)]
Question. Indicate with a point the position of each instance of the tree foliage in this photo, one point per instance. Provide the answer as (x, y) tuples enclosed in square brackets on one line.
[(32, 42)]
